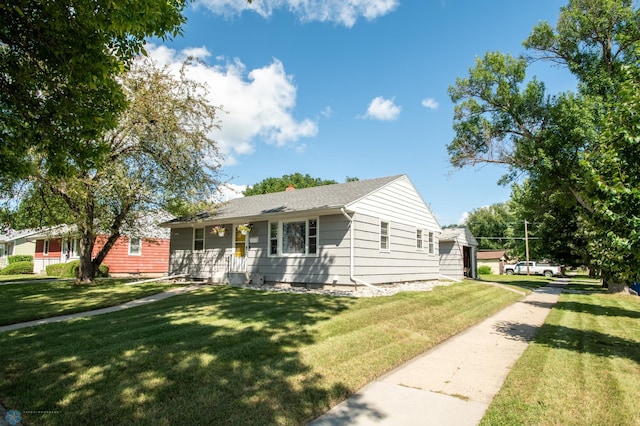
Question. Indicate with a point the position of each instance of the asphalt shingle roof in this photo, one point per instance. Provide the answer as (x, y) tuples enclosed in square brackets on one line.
[(326, 197)]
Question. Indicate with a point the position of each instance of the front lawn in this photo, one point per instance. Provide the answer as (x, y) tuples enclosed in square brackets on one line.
[(24, 278), (527, 282), (31, 300), (227, 355), (582, 369)]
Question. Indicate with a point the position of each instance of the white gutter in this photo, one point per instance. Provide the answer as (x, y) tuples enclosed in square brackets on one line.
[(352, 254)]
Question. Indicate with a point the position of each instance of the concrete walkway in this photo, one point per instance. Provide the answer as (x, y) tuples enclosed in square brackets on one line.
[(131, 304), (454, 383)]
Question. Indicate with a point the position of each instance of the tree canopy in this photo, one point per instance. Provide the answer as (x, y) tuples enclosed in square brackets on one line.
[(489, 225), (298, 181), (59, 68), (580, 146), (160, 150)]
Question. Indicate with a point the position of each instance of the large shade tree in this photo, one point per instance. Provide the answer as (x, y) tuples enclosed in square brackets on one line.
[(59, 66), (161, 149), (552, 225), (574, 144), (489, 225), (296, 180)]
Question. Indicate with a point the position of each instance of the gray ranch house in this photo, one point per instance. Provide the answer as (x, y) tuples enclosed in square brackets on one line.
[(367, 232)]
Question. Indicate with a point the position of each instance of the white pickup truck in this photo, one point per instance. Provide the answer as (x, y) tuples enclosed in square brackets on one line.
[(535, 268)]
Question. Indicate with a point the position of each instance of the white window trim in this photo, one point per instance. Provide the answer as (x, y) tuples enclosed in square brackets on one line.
[(280, 235), (431, 243), (193, 242), (139, 253), (388, 249), (420, 239), (45, 248), (73, 243)]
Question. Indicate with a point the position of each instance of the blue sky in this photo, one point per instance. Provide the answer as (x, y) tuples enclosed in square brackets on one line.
[(334, 89)]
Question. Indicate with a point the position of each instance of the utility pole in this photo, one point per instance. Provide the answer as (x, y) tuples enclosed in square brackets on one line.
[(526, 244)]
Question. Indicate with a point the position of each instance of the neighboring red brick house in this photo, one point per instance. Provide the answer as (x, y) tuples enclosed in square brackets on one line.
[(146, 255)]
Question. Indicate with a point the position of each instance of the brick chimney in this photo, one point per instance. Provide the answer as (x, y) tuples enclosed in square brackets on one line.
[(290, 187)]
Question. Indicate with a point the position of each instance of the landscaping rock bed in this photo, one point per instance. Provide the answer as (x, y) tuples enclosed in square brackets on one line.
[(361, 291)]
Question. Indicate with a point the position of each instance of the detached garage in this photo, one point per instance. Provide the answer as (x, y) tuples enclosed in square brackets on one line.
[(458, 253)]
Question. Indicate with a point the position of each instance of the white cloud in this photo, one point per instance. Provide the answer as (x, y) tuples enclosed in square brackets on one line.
[(258, 104), (430, 103), (463, 218), (338, 11), (196, 52), (382, 109), (229, 191)]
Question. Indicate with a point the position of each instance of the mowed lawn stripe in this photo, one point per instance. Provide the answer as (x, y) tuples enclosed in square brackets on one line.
[(37, 300), (225, 355), (582, 368)]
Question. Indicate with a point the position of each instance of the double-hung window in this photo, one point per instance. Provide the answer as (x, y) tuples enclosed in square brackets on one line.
[(384, 236), (45, 249), (297, 237), (419, 239), (432, 249), (135, 248), (198, 239)]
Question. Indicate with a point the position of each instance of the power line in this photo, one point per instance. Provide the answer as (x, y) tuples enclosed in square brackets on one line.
[(507, 238)]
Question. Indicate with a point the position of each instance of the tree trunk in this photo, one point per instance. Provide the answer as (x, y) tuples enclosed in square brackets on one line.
[(613, 283), (618, 287), (87, 270)]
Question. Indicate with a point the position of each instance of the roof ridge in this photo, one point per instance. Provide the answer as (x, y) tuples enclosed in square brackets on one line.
[(331, 196)]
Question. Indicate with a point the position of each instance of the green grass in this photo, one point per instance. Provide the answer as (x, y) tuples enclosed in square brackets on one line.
[(584, 283), (530, 282), (582, 369), (31, 300), (226, 355), (24, 277)]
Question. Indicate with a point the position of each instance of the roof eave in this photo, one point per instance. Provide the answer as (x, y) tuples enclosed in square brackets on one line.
[(221, 220)]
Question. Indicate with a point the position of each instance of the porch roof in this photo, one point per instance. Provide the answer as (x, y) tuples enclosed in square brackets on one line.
[(316, 199), (12, 235)]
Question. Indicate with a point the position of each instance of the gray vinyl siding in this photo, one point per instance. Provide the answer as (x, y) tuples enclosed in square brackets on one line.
[(397, 202), (403, 262), (452, 253), (329, 266), (202, 264), (451, 261)]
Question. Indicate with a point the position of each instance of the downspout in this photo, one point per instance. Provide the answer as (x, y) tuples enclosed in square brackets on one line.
[(352, 254)]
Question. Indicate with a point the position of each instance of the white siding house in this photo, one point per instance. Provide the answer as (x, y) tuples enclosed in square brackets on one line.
[(363, 232), (458, 253), (14, 243)]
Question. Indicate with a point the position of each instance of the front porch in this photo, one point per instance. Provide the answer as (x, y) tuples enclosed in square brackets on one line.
[(230, 269)]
